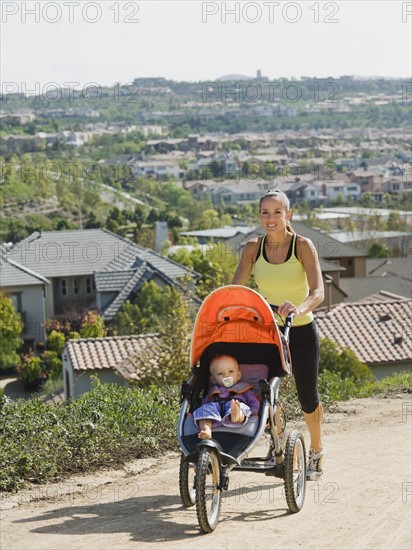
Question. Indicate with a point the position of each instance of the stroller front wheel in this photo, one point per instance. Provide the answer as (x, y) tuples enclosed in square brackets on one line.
[(208, 492), (187, 476), (295, 471)]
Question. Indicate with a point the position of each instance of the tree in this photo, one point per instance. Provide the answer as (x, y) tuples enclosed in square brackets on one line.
[(395, 222), (209, 219), (16, 231), (163, 311), (343, 362), (377, 250), (11, 328), (366, 200), (216, 266)]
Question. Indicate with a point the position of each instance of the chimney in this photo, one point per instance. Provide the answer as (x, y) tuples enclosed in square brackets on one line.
[(329, 281)]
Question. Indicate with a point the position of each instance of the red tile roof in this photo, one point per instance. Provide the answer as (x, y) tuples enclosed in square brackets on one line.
[(377, 331), (125, 354)]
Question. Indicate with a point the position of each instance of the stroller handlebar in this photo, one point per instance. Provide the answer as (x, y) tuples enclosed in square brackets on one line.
[(288, 320)]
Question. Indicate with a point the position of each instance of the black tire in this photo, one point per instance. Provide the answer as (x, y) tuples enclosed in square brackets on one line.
[(187, 476), (208, 493), (295, 471)]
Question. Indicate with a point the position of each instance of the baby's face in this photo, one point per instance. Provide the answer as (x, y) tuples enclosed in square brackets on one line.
[(223, 369)]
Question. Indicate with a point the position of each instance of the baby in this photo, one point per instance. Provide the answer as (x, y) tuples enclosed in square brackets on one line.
[(235, 402)]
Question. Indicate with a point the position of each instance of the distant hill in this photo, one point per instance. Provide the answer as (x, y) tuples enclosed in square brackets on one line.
[(235, 77)]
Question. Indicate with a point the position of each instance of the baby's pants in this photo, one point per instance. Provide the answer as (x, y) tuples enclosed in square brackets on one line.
[(219, 413)]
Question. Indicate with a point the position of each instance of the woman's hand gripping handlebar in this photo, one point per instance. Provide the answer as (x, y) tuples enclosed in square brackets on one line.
[(288, 321)]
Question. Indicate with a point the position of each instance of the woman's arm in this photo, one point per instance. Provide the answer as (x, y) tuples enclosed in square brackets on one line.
[(309, 258), (245, 265)]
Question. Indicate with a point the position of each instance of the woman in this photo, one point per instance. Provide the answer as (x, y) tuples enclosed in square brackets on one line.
[(288, 274)]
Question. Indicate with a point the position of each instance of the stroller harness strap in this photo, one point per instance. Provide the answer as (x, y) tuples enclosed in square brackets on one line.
[(241, 387)]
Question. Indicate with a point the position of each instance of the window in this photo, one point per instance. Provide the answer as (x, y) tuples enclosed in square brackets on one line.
[(63, 287), (88, 285), (75, 287), (16, 300)]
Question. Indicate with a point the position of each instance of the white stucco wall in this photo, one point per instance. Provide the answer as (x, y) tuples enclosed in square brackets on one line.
[(78, 382), (383, 371)]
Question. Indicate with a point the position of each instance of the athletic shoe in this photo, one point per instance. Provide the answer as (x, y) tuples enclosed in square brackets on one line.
[(314, 469)]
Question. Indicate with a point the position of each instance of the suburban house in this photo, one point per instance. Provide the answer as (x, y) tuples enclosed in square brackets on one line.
[(397, 184), (351, 258), (395, 241), (377, 329), (228, 192), (88, 269), (243, 191), (391, 275), (19, 118), (343, 187), (155, 169), (229, 163), (347, 164), (117, 359), (202, 189), (220, 234), (27, 290), (370, 179), (301, 189)]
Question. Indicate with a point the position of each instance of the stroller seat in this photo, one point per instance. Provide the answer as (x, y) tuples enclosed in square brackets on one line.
[(251, 374), (234, 440)]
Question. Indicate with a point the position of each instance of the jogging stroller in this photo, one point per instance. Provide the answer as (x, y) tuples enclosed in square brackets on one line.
[(237, 321)]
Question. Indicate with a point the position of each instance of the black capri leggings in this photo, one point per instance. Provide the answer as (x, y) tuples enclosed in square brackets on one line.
[(304, 350)]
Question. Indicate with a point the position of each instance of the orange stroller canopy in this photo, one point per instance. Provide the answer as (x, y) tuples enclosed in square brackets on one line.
[(234, 313)]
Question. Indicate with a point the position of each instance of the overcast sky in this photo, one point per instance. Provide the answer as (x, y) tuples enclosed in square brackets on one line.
[(116, 41)]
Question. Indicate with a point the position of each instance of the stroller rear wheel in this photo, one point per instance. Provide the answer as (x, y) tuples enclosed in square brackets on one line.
[(295, 471), (208, 492), (187, 476)]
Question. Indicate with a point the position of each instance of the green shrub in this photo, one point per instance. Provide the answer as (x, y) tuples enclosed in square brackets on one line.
[(52, 364), (399, 382), (11, 328), (333, 388), (92, 326), (31, 368), (56, 341), (343, 362), (51, 386), (106, 426)]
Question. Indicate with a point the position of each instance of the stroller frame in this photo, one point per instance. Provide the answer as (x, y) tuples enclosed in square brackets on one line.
[(206, 463)]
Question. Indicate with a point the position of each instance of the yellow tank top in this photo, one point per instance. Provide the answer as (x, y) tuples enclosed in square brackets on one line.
[(280, 282)]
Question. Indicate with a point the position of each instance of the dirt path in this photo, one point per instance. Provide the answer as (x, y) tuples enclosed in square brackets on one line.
[(363, 501)]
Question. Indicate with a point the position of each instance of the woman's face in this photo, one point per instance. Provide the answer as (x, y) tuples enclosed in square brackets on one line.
[(273, 215)]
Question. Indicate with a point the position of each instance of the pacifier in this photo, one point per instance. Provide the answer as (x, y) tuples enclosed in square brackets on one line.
[(228, 382)]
